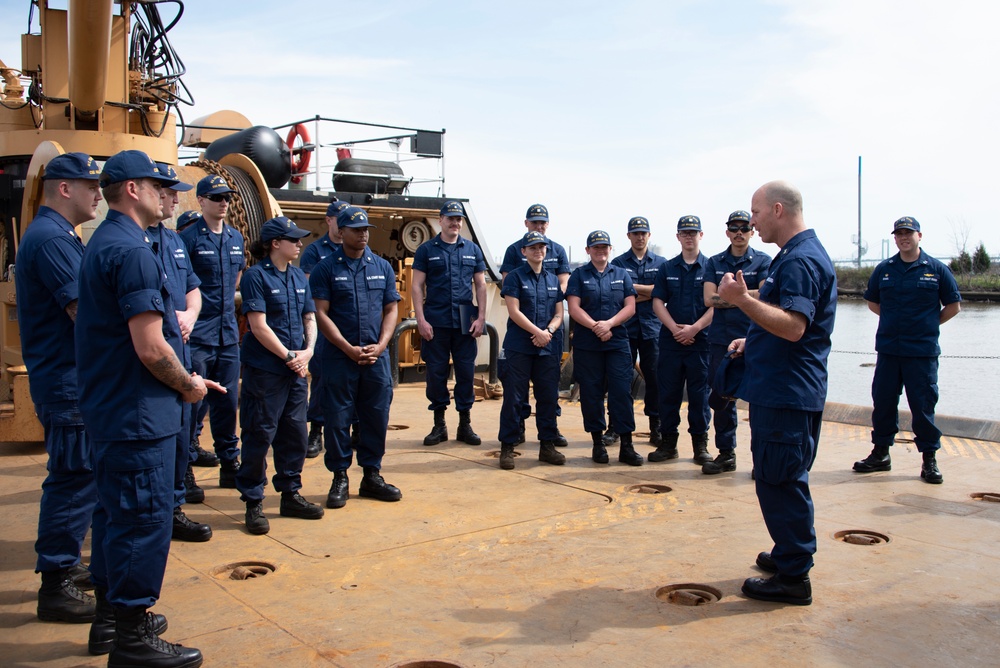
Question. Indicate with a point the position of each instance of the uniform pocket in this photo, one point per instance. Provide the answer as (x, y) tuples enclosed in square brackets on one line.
[(142, 481), (780, 457)]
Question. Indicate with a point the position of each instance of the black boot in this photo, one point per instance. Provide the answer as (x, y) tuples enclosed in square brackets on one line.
[(139, 645), (699, 445), (59, 600), (655, 438), (666, 450), (102, 631), (203, 457), (559, 441), (600, 451), (339, 490), (440, 431), (80, 575), (315, 440), (626, 453), (930, 471), (780, 588), (547, 453), (294, 504), (373, 486), (192, 492), (610, 437), (507, 456), (878, 460), (726, 461), (465, 433), (256, 523), (189, 531), (520, 435), (227, 474)]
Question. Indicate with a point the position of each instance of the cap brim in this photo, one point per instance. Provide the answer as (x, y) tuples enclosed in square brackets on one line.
[(535, 219), (297, 234), (181, 187)]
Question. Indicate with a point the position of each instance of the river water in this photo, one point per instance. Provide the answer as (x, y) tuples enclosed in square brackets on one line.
[(969, 375)]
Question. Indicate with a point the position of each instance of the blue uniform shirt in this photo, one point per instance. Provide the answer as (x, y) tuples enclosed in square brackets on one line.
[(318, 250), (48, 267), (120, 278), (537, 295), (792, 374), (910, 300), (732, 323), (449, 269), (601, 297), (681, 286), (217, 259), (284, 297), (555, 260), (181, 279), (357, 291), (644, 324)]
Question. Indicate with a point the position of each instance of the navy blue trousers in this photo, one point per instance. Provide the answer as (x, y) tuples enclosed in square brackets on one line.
[(783, 443), (315, 410), (595, 371), (185, 452), (723, 411), (272, 416), (462, 348), (677, 368), (919, 375), (351, 390), (134, 518), (221, 364), (542, 372), (648, 353), (69, 492)]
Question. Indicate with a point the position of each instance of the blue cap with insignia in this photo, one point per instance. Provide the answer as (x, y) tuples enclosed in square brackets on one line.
[(72, 166), (906, 223)]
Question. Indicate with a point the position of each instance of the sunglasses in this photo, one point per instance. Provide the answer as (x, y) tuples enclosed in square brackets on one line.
[(225, 197), (738, 228)]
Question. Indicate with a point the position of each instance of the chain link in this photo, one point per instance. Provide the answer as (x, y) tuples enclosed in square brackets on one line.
[(950, 357)]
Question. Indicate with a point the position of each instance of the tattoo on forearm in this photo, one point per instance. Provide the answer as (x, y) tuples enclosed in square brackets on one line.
[(309, 321), (170, 372), (719, 302)]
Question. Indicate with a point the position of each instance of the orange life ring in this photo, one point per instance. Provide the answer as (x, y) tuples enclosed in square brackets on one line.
[(301, 164)]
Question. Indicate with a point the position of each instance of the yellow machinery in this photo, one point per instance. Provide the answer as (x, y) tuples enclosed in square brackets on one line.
[(100, 77)]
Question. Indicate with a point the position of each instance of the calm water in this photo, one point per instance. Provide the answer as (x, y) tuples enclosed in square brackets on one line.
[(968, 387)]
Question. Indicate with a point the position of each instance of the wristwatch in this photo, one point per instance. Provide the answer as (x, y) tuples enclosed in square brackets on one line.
[(550, 330), (290, 356)]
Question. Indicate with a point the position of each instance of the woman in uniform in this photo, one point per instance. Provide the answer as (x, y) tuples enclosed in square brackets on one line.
[(275, 356), (534, 306), (601, 299)]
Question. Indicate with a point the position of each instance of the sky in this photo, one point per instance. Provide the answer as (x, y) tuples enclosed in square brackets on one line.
[(604, 111)]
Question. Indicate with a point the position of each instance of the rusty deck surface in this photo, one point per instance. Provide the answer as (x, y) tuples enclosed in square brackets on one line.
[(557, 566)]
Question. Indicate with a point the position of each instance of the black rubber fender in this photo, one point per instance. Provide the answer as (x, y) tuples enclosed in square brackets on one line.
[(263, 146)]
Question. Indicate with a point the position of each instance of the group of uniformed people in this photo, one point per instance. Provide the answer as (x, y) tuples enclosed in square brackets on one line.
[(152, 315), (635, 306)]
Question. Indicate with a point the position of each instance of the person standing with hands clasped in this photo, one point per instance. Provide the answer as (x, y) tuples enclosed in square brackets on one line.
[(356, 305), (275, 354), (785, 383), (679, 303), (601, 299), (534, 306), (912, 294)]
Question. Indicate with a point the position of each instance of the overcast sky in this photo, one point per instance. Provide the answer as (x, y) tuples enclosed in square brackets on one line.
[(603, 111)]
